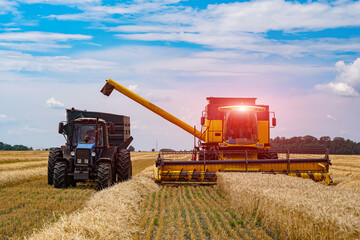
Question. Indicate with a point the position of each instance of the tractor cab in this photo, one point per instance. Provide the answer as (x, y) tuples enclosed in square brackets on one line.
[(88, 138), (89, 131)]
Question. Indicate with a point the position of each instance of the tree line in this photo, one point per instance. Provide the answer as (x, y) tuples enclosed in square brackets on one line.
[(338, 145), (8, 147)]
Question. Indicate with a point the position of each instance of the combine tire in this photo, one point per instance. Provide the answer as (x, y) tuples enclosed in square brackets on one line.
[(104, 176), (53, 155), (123, 165), (61, 178), (268, 155), (274, 155), (209, 155)]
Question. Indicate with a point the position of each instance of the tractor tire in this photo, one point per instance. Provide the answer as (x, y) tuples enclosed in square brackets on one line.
[(53, 155), (61, 178), (124, 165), (104, 176)]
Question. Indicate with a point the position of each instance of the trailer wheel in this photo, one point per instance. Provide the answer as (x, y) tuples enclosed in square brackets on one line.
[(104, 175), (53, 155), (124, 165), (61, 178)]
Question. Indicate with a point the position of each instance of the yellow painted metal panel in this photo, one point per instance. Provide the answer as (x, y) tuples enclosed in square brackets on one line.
[(263, 131), (214, 131)]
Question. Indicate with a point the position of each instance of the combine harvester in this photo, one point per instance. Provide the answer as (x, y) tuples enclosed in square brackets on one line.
[(235, 137)]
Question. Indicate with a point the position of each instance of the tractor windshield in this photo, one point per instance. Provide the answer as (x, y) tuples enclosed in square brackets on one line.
[(240, 127), (85, 133)]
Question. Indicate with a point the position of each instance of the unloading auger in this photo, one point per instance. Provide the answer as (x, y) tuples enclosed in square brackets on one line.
[(234, 137)]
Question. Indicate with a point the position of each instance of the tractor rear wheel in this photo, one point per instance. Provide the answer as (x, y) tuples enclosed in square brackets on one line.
[(53, 155), (123, 165), (61, 178), (104, 176)]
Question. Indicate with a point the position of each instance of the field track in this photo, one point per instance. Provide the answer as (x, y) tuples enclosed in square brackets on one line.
[(187, 212)]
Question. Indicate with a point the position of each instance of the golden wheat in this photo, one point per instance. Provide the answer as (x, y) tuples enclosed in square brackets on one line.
[(110, 214), (22, 165), (22, 156), (7, 177), (294, 207)]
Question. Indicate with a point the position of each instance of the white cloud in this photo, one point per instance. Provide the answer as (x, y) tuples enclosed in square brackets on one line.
[(7, 6), (97, 12), (38, 41), (26, 130), (61, 2), (330, 117), (349, 73), (35, 47), (3, 117), (53, 103), (41, 37), (347, 82), (17, 61), (133, 87)]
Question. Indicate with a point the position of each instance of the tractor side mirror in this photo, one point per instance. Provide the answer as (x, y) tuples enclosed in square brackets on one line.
[(274, 122), (111, 128), (202, 121), (61, 127)]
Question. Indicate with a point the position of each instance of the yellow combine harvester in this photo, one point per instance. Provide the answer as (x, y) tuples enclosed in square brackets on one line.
[(235, 137)]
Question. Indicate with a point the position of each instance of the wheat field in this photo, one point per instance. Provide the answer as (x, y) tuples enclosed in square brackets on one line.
[(241, 206), (27, 203), (295, 208)]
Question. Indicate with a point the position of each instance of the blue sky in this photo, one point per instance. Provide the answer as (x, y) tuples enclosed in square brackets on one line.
[(299, 57)]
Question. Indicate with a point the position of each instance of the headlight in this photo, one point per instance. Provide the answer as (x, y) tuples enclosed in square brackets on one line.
[(72, 153), (86, 160), (93, 154), (78, 160)]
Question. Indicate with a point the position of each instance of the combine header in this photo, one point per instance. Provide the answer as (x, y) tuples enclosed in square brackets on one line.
[(235, 137)]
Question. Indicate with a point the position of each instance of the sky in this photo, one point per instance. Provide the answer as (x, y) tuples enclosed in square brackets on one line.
[(302, 58)]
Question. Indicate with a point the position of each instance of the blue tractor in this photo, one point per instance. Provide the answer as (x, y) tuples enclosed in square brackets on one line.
[(95, 149)]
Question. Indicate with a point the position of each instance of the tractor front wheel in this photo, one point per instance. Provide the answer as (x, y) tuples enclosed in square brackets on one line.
[(104, 175), (53, 155), (61, 178)]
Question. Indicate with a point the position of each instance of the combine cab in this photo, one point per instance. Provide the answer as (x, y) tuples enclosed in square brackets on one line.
[(235, 137)]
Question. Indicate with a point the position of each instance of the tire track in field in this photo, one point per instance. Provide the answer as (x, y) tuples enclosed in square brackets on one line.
[(188, 212)]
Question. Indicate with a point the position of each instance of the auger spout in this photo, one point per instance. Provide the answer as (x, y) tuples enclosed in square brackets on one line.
[(111, 85)]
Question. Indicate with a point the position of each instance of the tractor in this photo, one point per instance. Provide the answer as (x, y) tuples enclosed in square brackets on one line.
[(95, 149)]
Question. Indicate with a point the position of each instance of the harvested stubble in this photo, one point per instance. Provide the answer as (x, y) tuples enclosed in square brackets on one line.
[(294, 208), (110, 214)]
